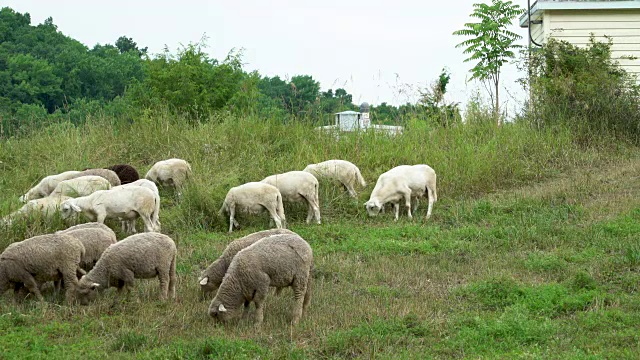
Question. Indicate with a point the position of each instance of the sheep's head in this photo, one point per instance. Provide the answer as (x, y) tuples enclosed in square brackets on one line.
[(219, 312), (69, 208), (373, 207), (86, 291)]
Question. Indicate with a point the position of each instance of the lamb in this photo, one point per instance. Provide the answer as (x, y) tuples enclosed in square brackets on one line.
[(298, 186), (171, 172), (254, 197), (47, 185), (46, 207), (211, 277), (95, 238), (405, 181), (126, 203), (126, 173), (81, 186), (341, 170), (39, 259), (151, 186), (113, 178), (278, 260), (140, 256)]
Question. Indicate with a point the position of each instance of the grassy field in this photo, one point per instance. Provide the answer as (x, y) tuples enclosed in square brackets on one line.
[(533, 249)]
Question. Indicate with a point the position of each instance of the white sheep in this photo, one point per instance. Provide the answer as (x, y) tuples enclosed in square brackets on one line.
[(151, 186), (253, 198), (341, 170), (404, 181), (46, 207), (47, 185), (39, 259), (126, 203), (298, 186), (279, 261), (140, 256), (81, 186), (170, 172)]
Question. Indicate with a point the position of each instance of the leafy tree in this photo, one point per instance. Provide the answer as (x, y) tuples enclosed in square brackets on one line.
[(491, 44), (432, 101), (125, 44)]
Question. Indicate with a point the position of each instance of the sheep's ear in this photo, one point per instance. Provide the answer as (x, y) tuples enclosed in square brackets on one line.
[(204, 280), (95, 286), (75, 207), (221, 308)]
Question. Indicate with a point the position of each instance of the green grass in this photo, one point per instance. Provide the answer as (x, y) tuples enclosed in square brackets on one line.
[(532, 250)]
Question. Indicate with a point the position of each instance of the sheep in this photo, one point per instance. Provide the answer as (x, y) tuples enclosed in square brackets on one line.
[(151, 186), (211, 277), (126, 173), (254, 197), (341, 170), (298, 186), (140, 256), (113, 178), (42, 258), (46, 206), (95, 238), (405, 181), (279, 261), (81, 186), (171, 172), (47, 185), (125, 203)]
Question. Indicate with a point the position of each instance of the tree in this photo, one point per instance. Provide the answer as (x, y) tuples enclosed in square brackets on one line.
[(491, 44), (125, 44)]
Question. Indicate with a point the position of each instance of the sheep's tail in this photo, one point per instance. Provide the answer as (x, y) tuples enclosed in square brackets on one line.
[(188, 170), (222, 209), (432, 187), (360, 178), (307, 294), (155, 216)]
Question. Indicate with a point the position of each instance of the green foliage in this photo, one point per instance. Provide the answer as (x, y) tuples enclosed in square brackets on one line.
[(432, 100), (584, 89), (490, 45)]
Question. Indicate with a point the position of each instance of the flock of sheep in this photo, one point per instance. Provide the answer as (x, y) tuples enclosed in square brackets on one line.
[(87, 258)]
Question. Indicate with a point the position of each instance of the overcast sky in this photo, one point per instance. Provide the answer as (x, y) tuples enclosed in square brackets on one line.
[(377, 50)]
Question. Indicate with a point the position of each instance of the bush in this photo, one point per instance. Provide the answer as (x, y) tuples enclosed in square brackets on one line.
[(585, 89)]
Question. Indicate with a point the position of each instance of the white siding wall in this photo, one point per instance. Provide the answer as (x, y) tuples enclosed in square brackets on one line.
[(623, 26)]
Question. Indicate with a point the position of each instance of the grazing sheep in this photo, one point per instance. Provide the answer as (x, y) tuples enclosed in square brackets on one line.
[(253, 198), (341, 170), (125, 203), (279, 261), (211, 277), (39, 259), (46, 206), (47, 185), (126, 173), (95, 238), (171, 172), (405, 181), (141, 256), (151, 186), (105, 173), (81, 186), (298, 186)]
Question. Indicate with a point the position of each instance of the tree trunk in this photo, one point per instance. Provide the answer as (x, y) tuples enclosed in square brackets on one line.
[(497, 105)]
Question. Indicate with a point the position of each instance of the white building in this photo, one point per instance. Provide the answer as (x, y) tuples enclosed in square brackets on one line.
[(574, 21)]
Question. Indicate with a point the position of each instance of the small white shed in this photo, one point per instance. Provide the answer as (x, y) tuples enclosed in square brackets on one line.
[(575, 20)]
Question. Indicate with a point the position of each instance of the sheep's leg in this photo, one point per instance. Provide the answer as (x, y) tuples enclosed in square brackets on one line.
[(148, 224), (126, 282), (307, 295), (258, 300), (431, 201), (163, 277), (309, 211), (351, 190), (31, 284), (232, 220), (299, 294), (407, 202), (275, 217), (415, 206), (396, 209), (172, 278), (69, 281), (100, 216)]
